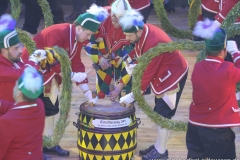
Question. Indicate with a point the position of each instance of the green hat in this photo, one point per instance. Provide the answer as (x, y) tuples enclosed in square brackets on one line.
[(132, 21), (31, 83), (215, 37), (8, 34), (92, 19), (218, 42)]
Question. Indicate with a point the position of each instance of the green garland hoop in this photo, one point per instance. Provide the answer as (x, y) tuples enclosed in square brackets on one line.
[(65, 100), (231, 29), (169, 28), (138, 72), (26, 40), (193, 13), (46, 10), (15, 8), (66, 95)]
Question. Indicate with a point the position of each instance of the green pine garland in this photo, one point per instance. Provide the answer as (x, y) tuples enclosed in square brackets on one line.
[(228, 24), (168, 27), (46, 10), (137, 79), (15, 9), (26, 40), (231, 29), (232, 16), (193, 13), (65, 100)]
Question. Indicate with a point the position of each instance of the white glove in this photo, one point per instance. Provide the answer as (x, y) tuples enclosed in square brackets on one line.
[(89, 97), (127, 99), (232, 47), (78, 76), (130, 68), (38, 55)]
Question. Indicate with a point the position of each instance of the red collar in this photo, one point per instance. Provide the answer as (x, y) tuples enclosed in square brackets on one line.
[(138, 46), (141, 40)]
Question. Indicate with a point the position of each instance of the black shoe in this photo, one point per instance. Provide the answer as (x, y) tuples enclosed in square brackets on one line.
[(56, 150), (145, 151), (154, 154), (73, 16)]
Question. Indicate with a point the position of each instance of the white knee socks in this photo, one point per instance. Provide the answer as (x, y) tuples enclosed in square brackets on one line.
[(162, 137), (49, 126)]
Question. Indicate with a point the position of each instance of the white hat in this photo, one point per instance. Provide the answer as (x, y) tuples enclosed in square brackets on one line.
[(119, 7)]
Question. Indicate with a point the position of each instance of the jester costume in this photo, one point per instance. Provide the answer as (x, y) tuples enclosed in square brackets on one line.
[(113, 47)]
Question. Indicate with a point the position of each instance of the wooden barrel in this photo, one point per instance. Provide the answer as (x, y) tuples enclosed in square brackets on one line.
[(107, 131)]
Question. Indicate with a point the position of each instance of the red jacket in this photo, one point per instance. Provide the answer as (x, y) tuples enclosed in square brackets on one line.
[(220, 8), (136, 4), (10, 72), (214, 100), (5, 106), (62, 35), (21, 132), (210, 6), (165, 71)]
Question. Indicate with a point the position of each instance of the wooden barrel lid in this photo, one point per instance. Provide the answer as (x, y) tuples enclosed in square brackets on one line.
[(106, 107)]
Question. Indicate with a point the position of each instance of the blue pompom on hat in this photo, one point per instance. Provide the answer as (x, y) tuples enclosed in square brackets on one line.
[(132, 21), (92, 19)]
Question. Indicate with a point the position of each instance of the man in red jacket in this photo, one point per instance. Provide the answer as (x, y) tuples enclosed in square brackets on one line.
[(214, 109), (11, 65), (22, 124), (167, 83), (69, 37)]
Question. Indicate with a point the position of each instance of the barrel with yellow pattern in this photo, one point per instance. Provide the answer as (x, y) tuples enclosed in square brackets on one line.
[(107, 131)]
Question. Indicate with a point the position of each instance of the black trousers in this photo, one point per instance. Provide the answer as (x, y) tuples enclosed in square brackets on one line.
[(50, 109), (3, 6), (79, 6), (213, 143), (145, 13), (161, 106), (33, 14)]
